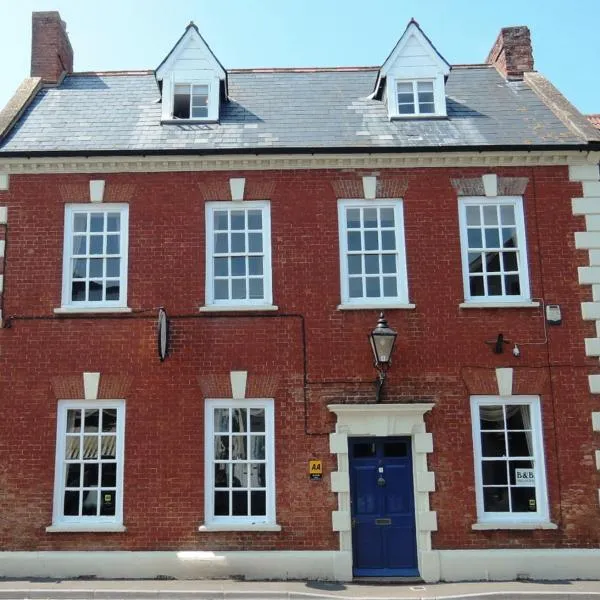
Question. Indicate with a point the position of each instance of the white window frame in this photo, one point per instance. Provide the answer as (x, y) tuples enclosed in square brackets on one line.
[(265, 207), (439, 95), (240, 522), (87, 523), (541, 515), (123, 210), (415, 94), (522, 260), (190, 78), (402, 276), (190, 86)]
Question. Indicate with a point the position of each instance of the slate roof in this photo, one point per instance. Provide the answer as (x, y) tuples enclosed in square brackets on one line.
[(275, 110)]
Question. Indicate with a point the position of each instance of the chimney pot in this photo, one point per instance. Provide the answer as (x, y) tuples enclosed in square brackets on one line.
[(512, 54), (51, 51)]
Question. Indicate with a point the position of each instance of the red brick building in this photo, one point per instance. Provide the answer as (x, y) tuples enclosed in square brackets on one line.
[(269, 217)]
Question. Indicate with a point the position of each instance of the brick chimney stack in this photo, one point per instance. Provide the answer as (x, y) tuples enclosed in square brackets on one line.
[(512, 54), (51, 52)]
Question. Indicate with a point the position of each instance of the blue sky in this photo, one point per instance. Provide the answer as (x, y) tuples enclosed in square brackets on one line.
[(137, 34)]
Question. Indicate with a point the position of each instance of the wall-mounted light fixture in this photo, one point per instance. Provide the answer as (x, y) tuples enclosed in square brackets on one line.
[(382, 339)]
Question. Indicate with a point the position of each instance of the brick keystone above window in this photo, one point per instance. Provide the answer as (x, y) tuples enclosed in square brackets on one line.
[(220, 190), (70, 387)]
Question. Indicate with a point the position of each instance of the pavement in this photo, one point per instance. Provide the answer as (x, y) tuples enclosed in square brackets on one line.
[(227, 589)]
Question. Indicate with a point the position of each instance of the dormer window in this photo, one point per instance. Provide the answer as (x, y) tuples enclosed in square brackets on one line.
[(412, 81), (190, 101), (415, 98), (193, 82)]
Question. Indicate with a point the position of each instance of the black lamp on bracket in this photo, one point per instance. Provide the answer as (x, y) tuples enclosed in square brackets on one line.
[(382, 339)]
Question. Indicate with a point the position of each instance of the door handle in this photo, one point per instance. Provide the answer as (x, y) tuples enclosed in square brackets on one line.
[(353, 523)]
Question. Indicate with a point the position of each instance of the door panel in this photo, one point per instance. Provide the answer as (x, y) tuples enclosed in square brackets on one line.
[(382, 505)]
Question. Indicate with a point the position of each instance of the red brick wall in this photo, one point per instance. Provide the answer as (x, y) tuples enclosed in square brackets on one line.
[(441, 355)]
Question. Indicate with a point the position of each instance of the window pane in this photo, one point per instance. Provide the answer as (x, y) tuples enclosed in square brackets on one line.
[(258, 504), (199, 112), (492, 260), (91, 420), (370, 218), (406, 109), (221, 503), (509, 237), (405, 87), (255, 242), (79, 268), (491, 417), (109, 475), (239, 501), (388, 240), (475, 262), (372, 263), (523, 499), (221, 476), (426, 108), (257, 447), (473, 216), (425, 86), (108, 446), (96, 244), (390, 287), (256, 289), (493, 444), (355, 288), (492, 238), (90, 503), (512, 285), (474, 238), (238, 447), (255, 265), (507, 215), (476, 286), (354, 264), (257, 419), (97, 222), (220, 220), (238, 219), (517, 416), (371, 240), (395, 449), (221, 243), (221, 447), (95, 291), (238, 289), (80, 222), (79, 245), (113, 222), (254, 219), (509, 261), (373, 287), (238, 265), (221, 419), (113, 289), (495, 499), (353, 218), (494, 283), (73, 475), (519, 443), (181, 102), (96, 267), (113, 267), (388, 263), (238, 242), (354, 241), (90, 474), (490, 215), (108, 502), (221, 289), (387, 217), (494, 472), (71, 507)]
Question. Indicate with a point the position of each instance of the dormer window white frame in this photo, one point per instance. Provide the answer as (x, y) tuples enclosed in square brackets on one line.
[(414, 78), (190, 100)]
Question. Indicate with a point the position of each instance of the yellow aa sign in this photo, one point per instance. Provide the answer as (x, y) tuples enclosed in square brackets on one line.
[(315, 469)]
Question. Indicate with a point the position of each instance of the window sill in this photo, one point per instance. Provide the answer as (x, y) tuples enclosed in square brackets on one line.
[(437, 117), (240, 527), (72, 310), (391, 306), (492, 525), (188, 121), (86, 528), (241, 307), (520, 304)]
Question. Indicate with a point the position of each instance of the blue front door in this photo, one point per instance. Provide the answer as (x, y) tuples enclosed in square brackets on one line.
[(382, 506)]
